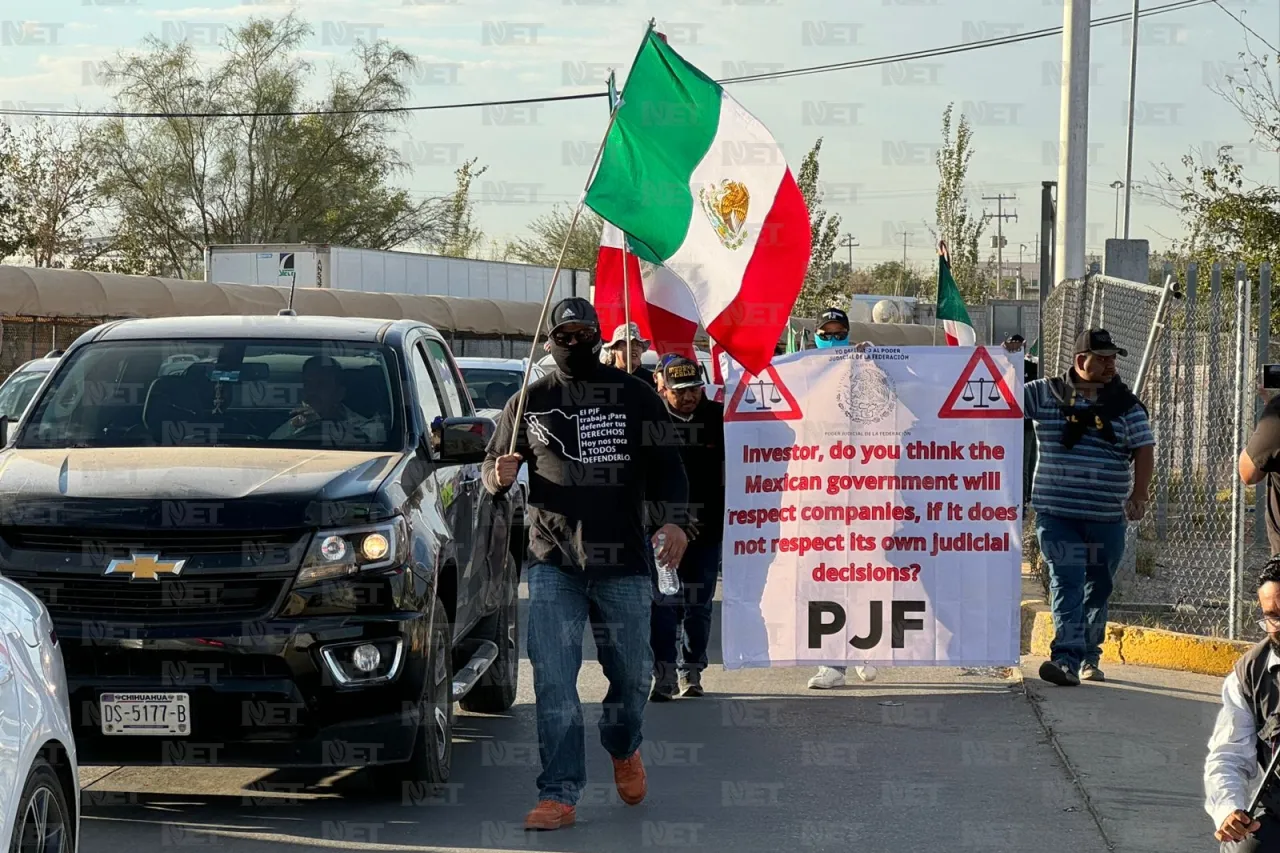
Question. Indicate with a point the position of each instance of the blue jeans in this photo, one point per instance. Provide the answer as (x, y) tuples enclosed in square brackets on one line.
[(1082, 557), (689, 609), (560, 604)]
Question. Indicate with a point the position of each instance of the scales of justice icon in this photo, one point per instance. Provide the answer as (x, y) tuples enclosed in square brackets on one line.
[(751, 398), (982, 397)]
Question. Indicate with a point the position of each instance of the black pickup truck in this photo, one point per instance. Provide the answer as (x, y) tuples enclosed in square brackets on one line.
[(264, 542)]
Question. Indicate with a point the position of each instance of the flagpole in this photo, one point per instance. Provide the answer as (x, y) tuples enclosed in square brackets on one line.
[(937, 293), (626, 302), (560, 261)]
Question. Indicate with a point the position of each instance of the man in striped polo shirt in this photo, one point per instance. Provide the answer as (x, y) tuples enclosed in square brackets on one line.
[(1095, 458)]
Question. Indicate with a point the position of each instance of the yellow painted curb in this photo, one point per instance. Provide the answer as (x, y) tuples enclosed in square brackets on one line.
[(1128, 644)]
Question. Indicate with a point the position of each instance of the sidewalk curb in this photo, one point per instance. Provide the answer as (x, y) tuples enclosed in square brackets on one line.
[(1128, 644)]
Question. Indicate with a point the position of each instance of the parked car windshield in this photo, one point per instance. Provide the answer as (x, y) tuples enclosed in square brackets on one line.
[(17, 392), (227, 393), (491, 387)]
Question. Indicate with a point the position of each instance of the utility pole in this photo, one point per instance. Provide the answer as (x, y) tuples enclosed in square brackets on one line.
[(902, 278), (1046, 239), (849, 243), (1073, 152), (1128, 148), (1000, 217)]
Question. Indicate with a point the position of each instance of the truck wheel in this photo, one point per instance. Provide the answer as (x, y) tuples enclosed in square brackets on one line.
[(427, 769), (496, 691)]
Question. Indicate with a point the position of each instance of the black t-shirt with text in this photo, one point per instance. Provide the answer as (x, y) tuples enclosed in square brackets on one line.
[(602, 467), (1264, 450)]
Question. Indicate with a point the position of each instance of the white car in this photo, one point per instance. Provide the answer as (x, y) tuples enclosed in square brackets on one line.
[(39, 775), (491, 383), (21, 386)]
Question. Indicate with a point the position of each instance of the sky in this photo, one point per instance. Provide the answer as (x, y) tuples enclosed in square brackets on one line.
[(880, 125)]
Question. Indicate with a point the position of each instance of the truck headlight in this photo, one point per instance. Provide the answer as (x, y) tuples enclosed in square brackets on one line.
[(339, 553)]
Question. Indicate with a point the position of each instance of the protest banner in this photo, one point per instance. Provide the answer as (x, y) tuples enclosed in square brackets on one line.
[(874, 508)]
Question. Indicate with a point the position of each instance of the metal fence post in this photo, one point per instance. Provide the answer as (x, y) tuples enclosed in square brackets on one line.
[(1264, 356), (1237, 441)]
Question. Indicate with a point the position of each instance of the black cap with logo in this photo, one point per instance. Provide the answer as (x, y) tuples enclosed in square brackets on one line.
[(833, 315), (1098, 342), (575, 309), (680, 372)]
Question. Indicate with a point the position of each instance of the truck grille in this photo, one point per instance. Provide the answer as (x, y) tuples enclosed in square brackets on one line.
[(165, 601), (182, 543)]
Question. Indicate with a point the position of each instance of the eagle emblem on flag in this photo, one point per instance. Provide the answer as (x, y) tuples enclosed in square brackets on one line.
[(726, 207)]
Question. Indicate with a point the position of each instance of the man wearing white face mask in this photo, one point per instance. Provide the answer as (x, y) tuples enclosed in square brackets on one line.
[(833, 331)]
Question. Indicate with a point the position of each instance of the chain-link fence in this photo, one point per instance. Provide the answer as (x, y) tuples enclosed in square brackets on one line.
[(25, 338), (1186, 558)]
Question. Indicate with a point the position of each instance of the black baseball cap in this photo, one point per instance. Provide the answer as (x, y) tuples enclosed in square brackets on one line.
[(1098, 342), (680, 372), (833, 315), (575, 309)]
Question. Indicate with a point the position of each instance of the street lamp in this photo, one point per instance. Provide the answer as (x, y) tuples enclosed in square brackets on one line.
[(1117, 186)]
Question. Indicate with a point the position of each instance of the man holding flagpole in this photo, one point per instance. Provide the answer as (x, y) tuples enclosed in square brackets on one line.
[(598, 482)]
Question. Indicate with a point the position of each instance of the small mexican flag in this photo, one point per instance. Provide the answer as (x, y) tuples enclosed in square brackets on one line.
[(701, 187), (951, 310)]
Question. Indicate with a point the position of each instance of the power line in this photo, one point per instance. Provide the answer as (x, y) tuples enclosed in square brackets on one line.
[(772, 75), (965, 48), (1246, 26)]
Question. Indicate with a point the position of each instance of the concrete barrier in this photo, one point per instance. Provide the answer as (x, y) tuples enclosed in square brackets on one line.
[(1129, 644)]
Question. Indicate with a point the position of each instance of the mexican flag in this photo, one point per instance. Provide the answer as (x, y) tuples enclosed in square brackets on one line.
[(951, 310), (673, 315), (701, 187), (609, 275)]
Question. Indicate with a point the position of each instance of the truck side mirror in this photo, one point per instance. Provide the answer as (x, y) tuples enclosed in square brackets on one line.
[(463, 441), (4, 430)]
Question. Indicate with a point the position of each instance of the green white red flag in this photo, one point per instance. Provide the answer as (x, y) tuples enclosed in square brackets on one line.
[(700, 187), (609, 285), (951, 311)]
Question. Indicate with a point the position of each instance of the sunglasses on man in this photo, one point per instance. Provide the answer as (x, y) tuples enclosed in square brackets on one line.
[(832, 336), (565, 339)]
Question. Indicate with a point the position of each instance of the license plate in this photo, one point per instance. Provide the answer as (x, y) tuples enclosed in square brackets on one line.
[(145, 713)]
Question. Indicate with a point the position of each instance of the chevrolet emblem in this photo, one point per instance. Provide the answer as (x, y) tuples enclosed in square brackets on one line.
[(147, 567)]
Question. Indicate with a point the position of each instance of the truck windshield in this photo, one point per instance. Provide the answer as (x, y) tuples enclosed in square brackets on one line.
[(226, 393)]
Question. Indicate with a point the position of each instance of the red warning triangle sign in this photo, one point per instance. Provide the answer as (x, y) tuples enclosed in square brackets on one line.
[(762, 398), (981, 393)]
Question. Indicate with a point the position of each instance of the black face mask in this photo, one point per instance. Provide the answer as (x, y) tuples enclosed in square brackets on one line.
[(577, 360)]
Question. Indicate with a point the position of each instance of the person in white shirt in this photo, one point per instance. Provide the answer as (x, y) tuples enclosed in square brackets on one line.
[(1245, 734)]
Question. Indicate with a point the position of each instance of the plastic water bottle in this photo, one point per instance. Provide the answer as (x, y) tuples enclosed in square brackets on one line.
[(668, 580)]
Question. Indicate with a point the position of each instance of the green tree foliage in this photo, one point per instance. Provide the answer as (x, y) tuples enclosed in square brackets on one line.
[(459, 238), (821, 287), (180, 184), (892, 277), (11, 226), (547, 235), (1227, 219), (54, 179), (954, 221)]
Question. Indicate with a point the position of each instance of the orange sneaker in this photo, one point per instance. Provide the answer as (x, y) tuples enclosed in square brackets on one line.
[(549, 814), (628, 775)]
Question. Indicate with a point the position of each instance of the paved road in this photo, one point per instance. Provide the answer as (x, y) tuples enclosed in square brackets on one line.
[(919, 760)]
